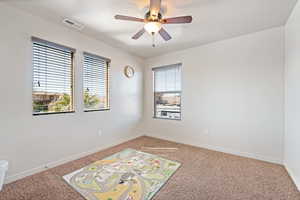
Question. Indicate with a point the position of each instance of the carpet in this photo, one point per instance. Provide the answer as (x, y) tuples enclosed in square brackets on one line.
[(203, 175), (126, 175)]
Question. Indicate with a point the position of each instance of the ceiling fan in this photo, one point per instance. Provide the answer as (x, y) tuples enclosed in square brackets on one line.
[(154, 20)]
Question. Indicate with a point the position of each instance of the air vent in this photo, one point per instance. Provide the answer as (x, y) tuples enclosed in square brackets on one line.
[(73, 24)]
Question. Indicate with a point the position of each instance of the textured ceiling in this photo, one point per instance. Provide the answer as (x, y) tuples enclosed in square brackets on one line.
[(213, 20)]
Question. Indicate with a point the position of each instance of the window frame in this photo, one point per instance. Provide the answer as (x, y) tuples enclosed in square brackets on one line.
[(108, 63), (72, 83), (166, 92)]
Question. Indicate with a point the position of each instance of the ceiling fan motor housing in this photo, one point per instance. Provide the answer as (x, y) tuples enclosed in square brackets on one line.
[(153, 18)]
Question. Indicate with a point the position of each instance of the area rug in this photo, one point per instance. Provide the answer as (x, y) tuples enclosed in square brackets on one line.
[(127, 175)]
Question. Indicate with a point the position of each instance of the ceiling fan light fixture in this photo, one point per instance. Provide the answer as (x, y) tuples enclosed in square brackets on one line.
[(152, 27)]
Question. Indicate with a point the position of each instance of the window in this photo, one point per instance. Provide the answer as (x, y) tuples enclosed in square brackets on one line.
[(95, 82), (167, 92), (52, 78)]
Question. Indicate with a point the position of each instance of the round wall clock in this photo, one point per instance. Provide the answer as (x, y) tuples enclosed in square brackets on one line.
[(129, 71)]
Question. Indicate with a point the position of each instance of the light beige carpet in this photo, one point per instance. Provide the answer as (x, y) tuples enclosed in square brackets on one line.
[(204, 175)]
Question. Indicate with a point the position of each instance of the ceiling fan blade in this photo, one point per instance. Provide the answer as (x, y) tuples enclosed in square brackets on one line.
[(155, 6), (178, 20), (128, 18), (164, 34), (139, 34)]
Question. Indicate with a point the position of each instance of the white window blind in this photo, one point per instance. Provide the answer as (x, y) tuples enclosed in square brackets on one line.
[(167, 92), (52, 77), (167, 79), (95, 82)]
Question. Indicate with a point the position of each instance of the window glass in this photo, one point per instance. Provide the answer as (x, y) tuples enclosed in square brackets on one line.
[(52, 78), (167, 92), (95, 82)]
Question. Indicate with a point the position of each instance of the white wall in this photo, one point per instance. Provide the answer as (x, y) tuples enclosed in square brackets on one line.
[(292, 135), (29, 142), (232, 89)]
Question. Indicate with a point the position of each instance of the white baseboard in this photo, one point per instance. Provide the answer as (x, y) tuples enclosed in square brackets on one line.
[(292, 175), (46, 166), (244, 154), (225, 150)]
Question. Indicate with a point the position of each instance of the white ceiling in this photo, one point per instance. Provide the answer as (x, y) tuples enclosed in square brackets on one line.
[(213, 20)]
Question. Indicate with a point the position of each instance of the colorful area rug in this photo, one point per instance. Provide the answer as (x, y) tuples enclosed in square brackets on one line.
[(127, 175)]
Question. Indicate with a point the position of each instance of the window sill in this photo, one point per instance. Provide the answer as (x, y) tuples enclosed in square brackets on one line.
[(158, 118), (97, 110), (52, 113)]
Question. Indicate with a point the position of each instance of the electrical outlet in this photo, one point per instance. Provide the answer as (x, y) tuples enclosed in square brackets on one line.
[(99, 133)]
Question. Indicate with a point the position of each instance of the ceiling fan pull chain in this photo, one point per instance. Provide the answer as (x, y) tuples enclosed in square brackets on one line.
[(153, 39)]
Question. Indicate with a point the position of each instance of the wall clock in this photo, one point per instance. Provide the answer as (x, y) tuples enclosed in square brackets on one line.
[(129, 71)]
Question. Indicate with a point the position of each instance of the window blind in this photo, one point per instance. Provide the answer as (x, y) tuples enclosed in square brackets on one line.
[(167, 79), (167, 92), (95, 82), (52, 76)]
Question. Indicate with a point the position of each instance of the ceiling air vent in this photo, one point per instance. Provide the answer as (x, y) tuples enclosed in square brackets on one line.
[(73, 24)]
